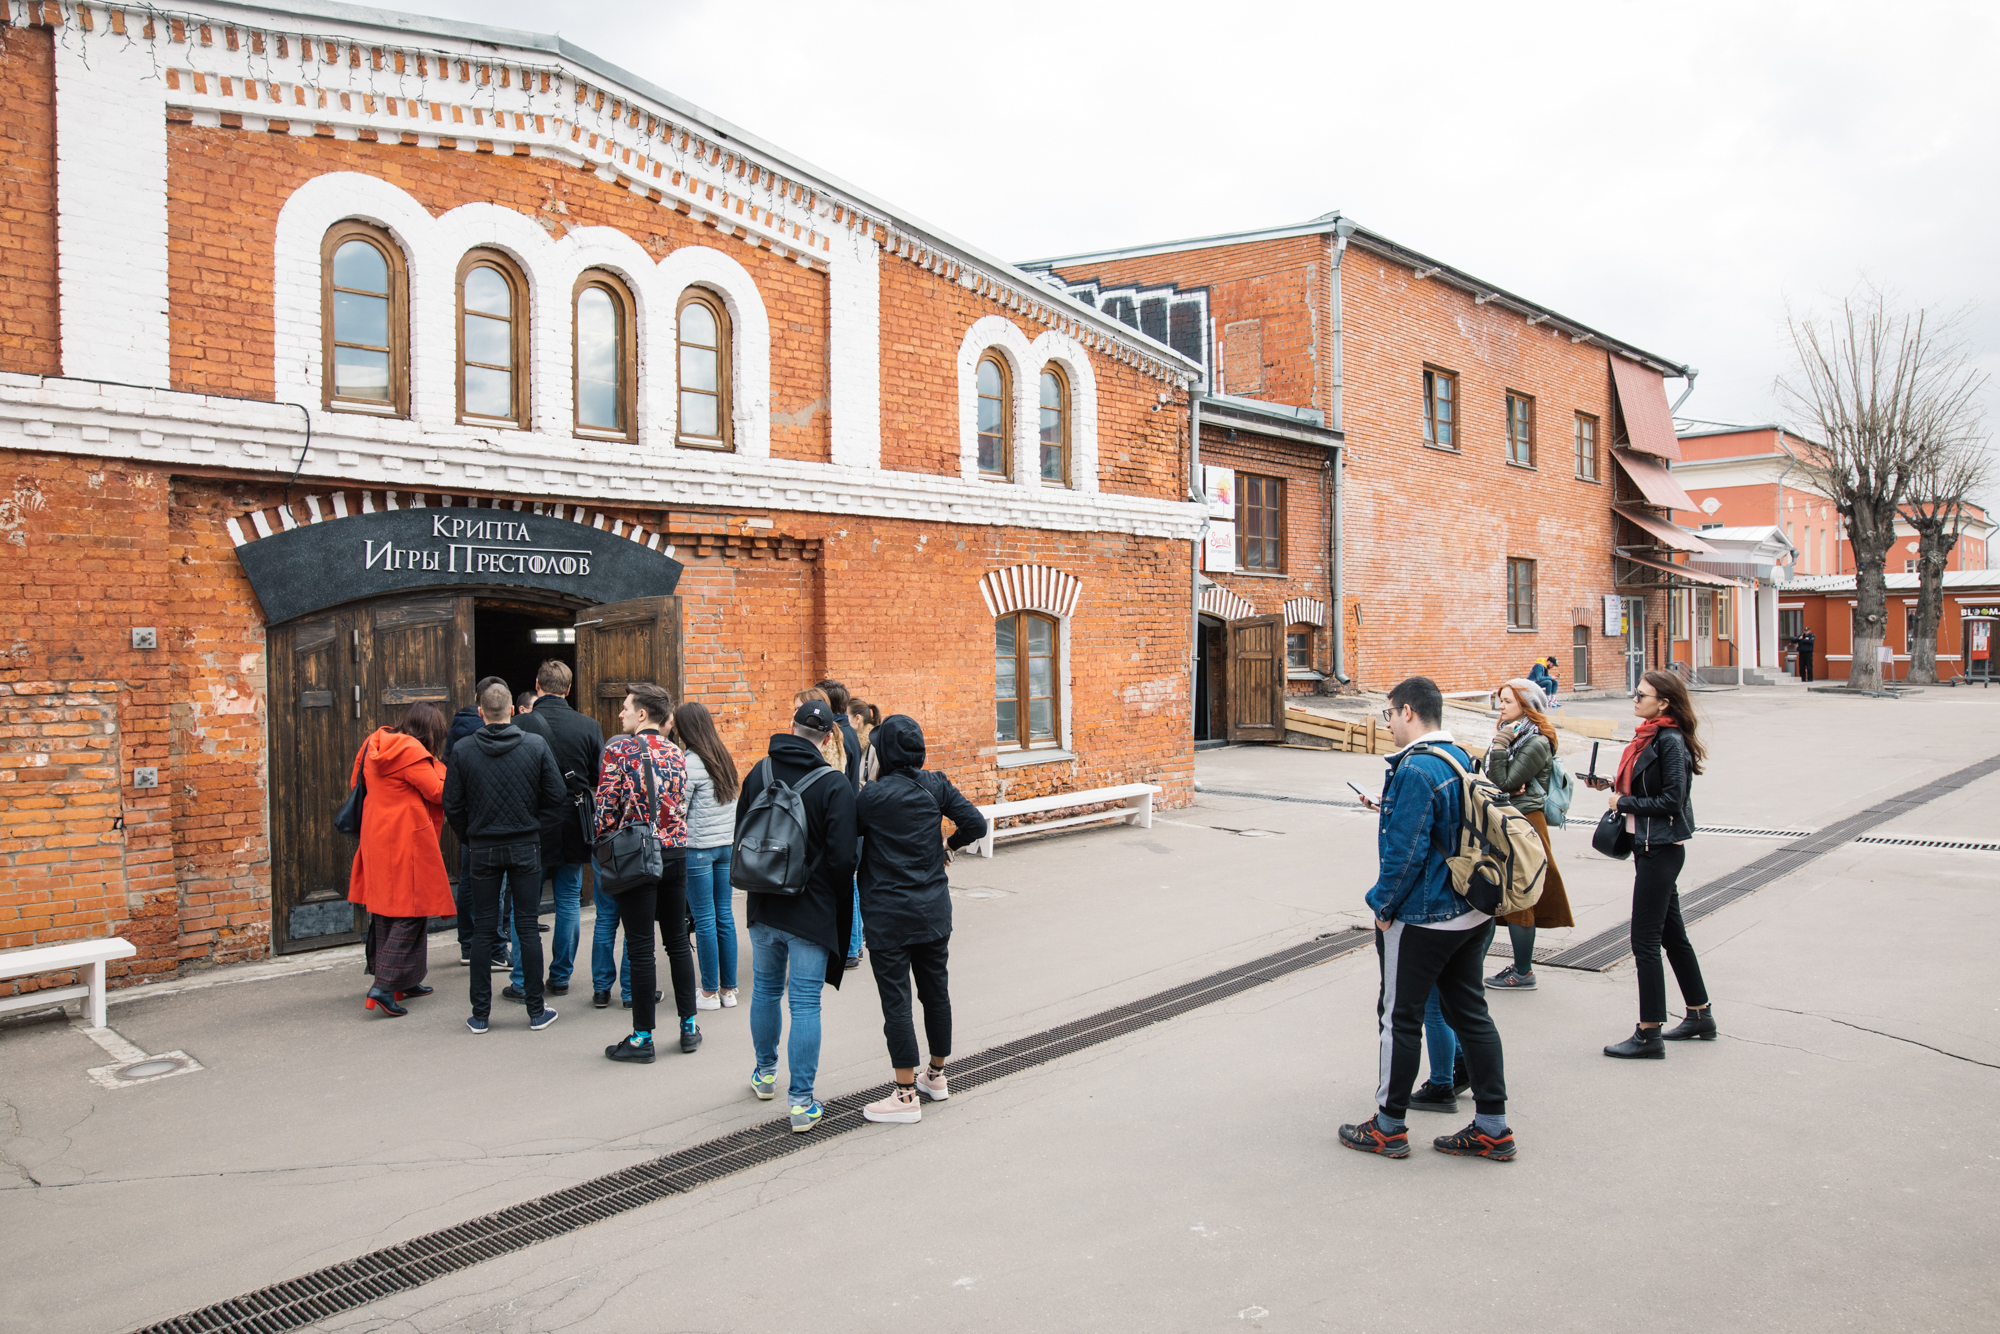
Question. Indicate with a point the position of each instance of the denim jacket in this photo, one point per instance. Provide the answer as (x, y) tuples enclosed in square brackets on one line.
[(1420, 815)]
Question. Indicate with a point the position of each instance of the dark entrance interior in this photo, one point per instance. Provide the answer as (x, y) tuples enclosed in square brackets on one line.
[(511, 640), (1211, 694)]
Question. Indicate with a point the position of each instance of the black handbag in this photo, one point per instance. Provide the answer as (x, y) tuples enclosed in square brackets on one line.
[(630, 858), (347, 818), (1611, 837)]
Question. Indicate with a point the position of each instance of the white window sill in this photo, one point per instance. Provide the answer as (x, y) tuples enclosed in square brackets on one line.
[(1022, 759), (1303, 674), (1258, 574)]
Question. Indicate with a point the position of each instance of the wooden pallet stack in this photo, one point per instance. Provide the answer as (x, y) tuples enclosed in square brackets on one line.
[(1366, 737)]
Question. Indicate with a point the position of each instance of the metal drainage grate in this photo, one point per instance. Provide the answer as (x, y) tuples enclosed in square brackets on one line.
[(1607, 948), (1888, 842), (351, 1284), (1735, 831)]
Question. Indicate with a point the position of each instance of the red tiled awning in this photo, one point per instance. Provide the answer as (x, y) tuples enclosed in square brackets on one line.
[(1655, 483), (1680, 539), (1688, 573), (1642, 400)]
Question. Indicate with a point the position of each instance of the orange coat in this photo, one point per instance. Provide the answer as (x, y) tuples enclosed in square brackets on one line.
[(399, 869)]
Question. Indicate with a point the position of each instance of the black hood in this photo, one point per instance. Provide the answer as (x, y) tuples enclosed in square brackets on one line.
[(497, 739), (795, 750), (899, 742), (469, 711)]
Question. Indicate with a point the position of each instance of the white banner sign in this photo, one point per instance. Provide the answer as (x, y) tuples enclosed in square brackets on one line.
[(1220, 486), (1614, 614), (1218, 553)]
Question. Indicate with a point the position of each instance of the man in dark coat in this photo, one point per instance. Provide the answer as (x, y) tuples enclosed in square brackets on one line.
[(577, 741), (499, 783), (796, 939), (907, 898), (463, 724), (1804, 644)]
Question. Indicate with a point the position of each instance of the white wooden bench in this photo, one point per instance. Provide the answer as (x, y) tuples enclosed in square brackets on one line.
[(1137, 809), (73, 956)]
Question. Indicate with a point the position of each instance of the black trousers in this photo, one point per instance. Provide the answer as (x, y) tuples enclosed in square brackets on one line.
[(1805, 665), (893, 965), (494, 871), (1414, 959), (639, 910), (1656, 921)]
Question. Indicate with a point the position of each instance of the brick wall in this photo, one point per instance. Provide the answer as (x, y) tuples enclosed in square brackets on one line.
[(1307, 507), (29, 337)]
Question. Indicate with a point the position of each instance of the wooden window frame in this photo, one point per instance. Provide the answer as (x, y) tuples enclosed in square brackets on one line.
[(1520, 429), (1064, 413), (1515, 565), (1022, 726), (518, 319), (628, 355), (1242, 529), (340, 234), (725, 373), (1310, 632), (1431, 376), (1586, 457), (1006, 473)]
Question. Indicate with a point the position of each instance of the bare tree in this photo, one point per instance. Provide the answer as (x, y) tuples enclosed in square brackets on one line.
[(1938, 508), (1884, 392)]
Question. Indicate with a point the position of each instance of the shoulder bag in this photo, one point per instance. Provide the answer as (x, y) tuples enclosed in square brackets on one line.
[(630, 858), (347, 816)]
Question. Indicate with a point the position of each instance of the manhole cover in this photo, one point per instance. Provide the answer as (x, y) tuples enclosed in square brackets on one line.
[(147, 1069)]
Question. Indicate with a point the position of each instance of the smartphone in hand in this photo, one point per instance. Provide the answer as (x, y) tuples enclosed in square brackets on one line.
[(1366, 800)]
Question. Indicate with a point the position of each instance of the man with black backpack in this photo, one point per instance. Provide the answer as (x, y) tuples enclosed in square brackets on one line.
[(1428, 935), (794, 859), (908, 901)]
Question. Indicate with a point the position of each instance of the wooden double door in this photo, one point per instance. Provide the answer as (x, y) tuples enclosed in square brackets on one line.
[(1241, 693), (337, 676)]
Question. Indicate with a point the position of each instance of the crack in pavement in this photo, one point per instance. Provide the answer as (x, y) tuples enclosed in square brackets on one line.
[(1863, 1028)]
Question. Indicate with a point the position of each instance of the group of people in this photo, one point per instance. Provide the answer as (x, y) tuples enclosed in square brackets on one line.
[(531, 787), (1432, 943)]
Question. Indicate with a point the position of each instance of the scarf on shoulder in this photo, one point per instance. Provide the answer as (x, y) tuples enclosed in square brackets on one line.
[(1633, 749)]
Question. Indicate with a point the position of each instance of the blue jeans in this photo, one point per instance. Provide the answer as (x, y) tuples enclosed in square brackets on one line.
[(568, 877), (1443, 1043), (783, 964), (714, 919), (604, 970), (854, 936)]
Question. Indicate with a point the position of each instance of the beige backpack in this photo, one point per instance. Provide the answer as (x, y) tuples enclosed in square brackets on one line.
[(1500, 866)]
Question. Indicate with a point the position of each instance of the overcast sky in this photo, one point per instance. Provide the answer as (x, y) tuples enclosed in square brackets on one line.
[(1674, 175)]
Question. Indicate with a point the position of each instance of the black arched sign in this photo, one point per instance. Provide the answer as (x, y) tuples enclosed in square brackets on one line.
[(315, 566)]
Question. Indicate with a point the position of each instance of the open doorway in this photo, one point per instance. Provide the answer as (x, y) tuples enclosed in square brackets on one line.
[(511, 640), (1211, 691)]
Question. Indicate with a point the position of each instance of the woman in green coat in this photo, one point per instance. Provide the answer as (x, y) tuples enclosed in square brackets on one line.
[(1521, 763)]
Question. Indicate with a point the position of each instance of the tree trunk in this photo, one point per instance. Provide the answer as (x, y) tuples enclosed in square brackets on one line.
[(1934, 543), (1870, 541)]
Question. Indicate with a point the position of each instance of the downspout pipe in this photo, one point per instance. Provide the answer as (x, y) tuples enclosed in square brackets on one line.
[(1198, 493), (1335, 583)]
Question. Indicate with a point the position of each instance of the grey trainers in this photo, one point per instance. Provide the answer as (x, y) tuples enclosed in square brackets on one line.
[(764, 1083), (1509, 980), (805, 1118)]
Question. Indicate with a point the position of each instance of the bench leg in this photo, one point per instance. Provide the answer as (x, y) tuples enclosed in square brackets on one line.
[(1145, 811), (986, 843), (93, 1004)]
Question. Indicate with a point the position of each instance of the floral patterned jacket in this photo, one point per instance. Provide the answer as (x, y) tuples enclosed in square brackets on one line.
[(621, 786)]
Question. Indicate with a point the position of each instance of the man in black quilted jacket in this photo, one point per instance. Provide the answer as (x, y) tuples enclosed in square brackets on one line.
[(496, 788)]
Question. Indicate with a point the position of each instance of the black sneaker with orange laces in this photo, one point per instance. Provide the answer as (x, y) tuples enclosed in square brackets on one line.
[(1371, 1138), (1470, 1143)]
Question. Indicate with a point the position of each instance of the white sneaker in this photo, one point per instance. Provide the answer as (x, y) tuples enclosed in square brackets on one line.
[(900, 1107), (933, 1085), (706, 1000), (729, 998)]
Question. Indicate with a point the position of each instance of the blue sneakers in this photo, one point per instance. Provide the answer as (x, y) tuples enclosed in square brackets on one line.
[(764, 1084), (805, 1118), (538, 1022), (476, 1024)]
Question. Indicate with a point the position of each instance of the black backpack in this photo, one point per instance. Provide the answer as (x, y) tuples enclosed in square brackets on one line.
[(769, 853)]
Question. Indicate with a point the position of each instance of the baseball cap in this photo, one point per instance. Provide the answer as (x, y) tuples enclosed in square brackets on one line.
[(814, 714)]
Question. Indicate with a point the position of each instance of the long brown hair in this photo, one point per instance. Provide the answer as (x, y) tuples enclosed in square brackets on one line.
[(1680, 706), (695, 730), (426, 724), (1524, 698)]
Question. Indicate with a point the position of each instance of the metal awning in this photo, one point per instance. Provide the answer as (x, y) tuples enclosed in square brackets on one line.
[(1642, 399), (1693, 576), (1680, 539), (1655, 483)]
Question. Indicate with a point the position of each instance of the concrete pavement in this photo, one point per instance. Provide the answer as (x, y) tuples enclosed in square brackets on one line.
[(1825, 1165)]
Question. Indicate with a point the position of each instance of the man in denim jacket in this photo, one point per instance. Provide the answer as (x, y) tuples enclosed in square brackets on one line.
[(1427, 936)]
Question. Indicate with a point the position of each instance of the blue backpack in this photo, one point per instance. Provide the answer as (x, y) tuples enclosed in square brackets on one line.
[(1561, 790)]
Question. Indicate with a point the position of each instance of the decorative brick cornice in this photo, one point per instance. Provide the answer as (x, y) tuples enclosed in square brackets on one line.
[(1219, 601), (1305, 611), (1030, 588)]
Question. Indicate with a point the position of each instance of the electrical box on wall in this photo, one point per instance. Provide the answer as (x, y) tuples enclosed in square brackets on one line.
[(145, 636)]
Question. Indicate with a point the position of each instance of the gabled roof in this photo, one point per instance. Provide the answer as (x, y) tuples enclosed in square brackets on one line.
[(1328, 224)]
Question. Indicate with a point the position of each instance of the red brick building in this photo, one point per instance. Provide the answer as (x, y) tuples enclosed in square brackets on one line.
[(1968, 633), (1501, 493), (344, 363)]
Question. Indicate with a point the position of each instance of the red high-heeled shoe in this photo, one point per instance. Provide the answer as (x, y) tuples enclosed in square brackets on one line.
[(385, 1002)]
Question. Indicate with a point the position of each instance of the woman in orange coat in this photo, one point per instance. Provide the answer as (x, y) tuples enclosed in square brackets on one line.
[(399, 873)]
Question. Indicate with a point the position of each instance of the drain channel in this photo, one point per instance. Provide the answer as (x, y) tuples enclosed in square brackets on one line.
[(355, 1283), (1607, 948)]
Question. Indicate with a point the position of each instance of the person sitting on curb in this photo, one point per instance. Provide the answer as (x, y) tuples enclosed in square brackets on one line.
[(1427, 935)]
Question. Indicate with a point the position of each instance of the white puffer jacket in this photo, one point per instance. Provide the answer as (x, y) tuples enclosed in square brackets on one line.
[(711, 824)]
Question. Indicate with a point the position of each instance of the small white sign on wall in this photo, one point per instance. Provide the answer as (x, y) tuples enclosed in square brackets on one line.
[(1220, 486), (1614, 614), (1218, 552)]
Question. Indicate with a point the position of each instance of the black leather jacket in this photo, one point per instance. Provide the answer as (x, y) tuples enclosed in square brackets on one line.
[(1662, 792)]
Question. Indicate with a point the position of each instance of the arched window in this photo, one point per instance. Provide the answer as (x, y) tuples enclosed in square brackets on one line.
[(492, 340), (1055, 427), (606, 358), (364, 321), (996, 418), (704, 371), (1026, 672)]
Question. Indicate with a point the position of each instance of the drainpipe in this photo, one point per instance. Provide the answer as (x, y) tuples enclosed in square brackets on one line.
[(1690, 372), (1341, 231), (1199, 493)]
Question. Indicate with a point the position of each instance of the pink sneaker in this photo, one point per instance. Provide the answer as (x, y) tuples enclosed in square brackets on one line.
[(900, 1107), (933, 1085)]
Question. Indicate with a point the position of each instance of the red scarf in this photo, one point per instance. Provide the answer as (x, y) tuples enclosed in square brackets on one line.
[(1630, 759)]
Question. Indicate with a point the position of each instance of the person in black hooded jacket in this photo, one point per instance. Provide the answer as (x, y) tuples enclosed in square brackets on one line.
[(907, 898), (463, 724), (796, 940)]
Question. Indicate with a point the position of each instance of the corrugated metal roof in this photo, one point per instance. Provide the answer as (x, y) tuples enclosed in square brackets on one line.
[(1901, 581)]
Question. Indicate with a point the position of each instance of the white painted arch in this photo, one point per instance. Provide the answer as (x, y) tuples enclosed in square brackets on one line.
[(1025, 360)]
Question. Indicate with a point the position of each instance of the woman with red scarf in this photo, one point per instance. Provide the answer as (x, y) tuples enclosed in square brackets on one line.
[(1652, 790)]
